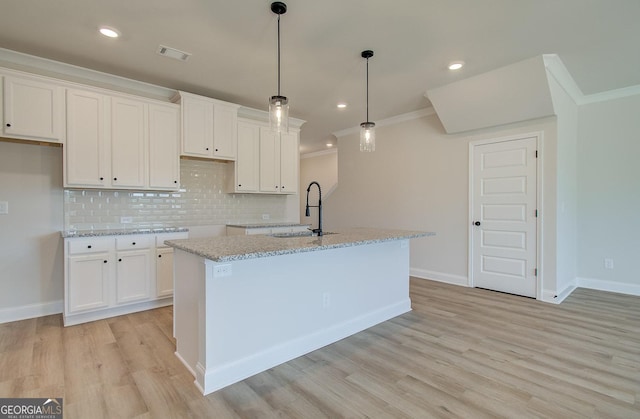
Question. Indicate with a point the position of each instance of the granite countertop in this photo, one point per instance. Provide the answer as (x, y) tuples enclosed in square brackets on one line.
[(122, 232), (230, 248), (267, 225)]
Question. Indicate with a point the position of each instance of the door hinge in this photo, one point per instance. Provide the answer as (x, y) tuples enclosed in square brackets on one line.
[(536, 154), (535, 272), (536, 213)]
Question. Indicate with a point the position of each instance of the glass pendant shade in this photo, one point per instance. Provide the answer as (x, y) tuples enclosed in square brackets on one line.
[(368, 136), (279, 114)]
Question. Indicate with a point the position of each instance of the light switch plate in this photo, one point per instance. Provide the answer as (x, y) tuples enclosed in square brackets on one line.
[(4, 207)]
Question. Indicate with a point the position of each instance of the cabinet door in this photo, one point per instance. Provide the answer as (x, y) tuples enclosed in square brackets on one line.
[(164, 147), (225, 124), (128, 143), (33, 109), (132, 276), (269, 161), (248, 159), (164, 272), (87, 282), (86, 150), (289, 163), (197, 127)]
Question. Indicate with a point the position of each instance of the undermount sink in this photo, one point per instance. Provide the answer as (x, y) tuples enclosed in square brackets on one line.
[(299, 234)]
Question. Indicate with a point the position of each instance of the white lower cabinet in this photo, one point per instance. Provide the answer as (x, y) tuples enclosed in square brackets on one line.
[(88, 282), (113, 275), (164, 272)]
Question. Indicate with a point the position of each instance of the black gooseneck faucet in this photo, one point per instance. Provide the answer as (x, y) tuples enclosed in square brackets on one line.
[(318, 230)]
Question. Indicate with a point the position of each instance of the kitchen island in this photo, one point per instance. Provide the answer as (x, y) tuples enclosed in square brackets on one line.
[(244, 304)]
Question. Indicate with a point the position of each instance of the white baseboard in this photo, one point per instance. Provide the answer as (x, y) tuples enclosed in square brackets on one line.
[(611, 286), (30, 311), (553, 297), (440, 276)]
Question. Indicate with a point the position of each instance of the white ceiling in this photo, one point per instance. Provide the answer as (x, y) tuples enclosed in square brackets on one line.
[(233, 44)]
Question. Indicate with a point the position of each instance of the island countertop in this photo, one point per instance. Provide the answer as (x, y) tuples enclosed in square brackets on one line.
[(230, 248)]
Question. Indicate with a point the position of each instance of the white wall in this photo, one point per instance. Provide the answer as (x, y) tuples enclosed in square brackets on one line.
[(323, 168), (31, 264), (418, 179), (566, 211), (609, 194)]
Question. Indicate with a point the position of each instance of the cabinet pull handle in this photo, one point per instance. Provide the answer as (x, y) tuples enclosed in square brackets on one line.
[(9, 125)]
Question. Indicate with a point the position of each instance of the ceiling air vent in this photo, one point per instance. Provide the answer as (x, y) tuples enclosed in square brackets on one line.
[(176, 54)]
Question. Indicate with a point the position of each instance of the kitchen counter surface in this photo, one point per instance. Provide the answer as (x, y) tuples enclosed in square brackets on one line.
[(230, 248), (121, 232), (267, 225)]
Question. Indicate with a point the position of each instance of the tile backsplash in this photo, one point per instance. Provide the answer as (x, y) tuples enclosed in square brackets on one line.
[(201, 201)]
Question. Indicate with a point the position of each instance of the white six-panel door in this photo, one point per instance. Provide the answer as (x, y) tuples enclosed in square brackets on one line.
[(504, 216)]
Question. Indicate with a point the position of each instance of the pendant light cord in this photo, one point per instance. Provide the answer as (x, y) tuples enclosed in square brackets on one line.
[(367, 90), (278, 55)]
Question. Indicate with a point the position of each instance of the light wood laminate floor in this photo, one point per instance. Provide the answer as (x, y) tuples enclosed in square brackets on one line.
[(461, 352)]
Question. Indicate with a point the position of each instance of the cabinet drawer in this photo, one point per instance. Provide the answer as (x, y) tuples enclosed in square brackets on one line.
[(133, 242), (160, 238), (90, 245)]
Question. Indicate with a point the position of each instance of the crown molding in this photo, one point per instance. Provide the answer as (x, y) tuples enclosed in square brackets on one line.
[(263, 116), (320, 153), (45, 67), (612, 94), (420, 113)]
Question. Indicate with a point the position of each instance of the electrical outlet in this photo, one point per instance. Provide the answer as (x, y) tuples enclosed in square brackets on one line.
[(608, 263), (266, 216), (126, 220), (326, 300), (4, 207), (220, 271)]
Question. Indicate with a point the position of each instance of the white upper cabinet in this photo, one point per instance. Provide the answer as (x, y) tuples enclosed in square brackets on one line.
[(289, 163), (269, 161), (164, 146), (128, 143), (247, 165), (33, 109), (279, 162), (86, 153), (117, 142), (209, 127)]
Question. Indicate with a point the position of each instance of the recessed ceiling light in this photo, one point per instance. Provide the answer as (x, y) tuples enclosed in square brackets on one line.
[(456, 65), (342, 105), (329, 145), (109, 32)]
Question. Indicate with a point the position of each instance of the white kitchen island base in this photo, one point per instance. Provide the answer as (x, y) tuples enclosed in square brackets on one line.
[(234, 319)]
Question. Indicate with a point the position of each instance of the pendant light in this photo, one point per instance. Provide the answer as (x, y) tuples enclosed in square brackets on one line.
[(367, 128), (279, 105)]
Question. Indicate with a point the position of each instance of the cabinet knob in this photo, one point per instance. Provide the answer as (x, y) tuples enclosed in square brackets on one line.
[(216, 149), (89, 247), (239, 186), (119, 260), (159, 256), (175, 181), (104, 261), (133, 244), (276, 186), (101, 178), (115, 178), (207, 148), (282, 187), (9, 125)]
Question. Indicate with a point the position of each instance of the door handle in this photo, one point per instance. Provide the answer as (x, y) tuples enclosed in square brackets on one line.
[(477, 223)]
